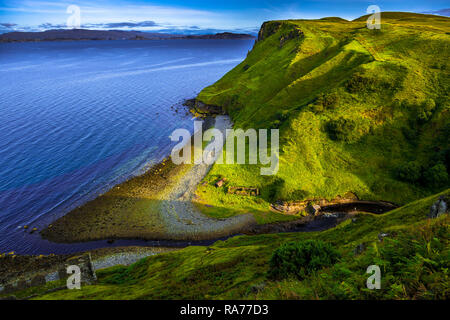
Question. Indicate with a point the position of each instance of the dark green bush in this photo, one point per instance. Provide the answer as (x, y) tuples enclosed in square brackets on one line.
[(436, 176), (301, 258), (341, 129), (359, 83), (411, 134), (425, 110), (325, 102), (410, 172), (329, 100)]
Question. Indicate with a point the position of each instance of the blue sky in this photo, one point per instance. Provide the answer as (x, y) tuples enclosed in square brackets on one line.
[(189, 16)]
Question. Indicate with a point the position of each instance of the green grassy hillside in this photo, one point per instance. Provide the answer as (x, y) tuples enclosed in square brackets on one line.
[(359, 110), (413, 257), (362, 111)]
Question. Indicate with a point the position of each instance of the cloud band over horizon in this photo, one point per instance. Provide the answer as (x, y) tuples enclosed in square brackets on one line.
[(189, 16)]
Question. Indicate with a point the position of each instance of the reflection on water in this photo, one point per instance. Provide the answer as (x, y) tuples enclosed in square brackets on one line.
[(78, 117)]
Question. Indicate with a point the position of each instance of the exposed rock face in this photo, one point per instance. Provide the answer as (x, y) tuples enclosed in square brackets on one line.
[(289, 207), (315, 205), (382, 235), (439, 207), (313, 209), (271, 27), (268, 28), (339, 204), (196, 106), (293, 34)]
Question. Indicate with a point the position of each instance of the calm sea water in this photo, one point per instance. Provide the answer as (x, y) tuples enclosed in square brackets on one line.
[(76, 118)]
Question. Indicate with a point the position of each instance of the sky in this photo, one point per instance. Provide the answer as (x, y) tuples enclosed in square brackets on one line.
[(190, 16)]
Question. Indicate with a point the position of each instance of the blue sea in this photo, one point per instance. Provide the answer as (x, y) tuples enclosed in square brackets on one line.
[(77, 118)]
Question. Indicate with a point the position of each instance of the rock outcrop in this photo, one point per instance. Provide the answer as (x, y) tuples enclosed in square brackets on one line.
[(349, 203), (440, 207), (203, 109)]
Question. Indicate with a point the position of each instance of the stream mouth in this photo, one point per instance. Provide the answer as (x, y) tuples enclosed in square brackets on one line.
[(376, 207), (329, 217)]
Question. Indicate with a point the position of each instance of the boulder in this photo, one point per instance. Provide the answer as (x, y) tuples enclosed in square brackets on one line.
[(439, 207), (313, 209), (382, 235)]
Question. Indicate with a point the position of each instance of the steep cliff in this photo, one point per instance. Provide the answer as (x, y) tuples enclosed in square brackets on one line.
[(358, 110)]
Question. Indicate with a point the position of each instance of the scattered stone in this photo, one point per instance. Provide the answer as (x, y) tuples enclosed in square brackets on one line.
[(382, 235), (52, 276), (439, 207), (313, 209)]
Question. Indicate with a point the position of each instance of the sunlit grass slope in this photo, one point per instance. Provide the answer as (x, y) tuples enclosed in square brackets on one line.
[(359, 110), (413, 258)]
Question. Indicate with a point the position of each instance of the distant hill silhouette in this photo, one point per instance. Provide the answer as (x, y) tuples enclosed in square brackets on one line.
[(84, 34)]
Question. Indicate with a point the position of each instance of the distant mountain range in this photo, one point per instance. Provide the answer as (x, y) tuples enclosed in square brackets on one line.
[(84, 34)]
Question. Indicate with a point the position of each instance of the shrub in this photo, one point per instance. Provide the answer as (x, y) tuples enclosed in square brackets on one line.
[(436, 176), (425, 110), (341, 129), (410, 172), (325, 102), (410, 133), (329, 100), (359, 83), (301, 258)]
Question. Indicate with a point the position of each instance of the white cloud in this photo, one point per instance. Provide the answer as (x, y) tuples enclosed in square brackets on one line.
[(38, 12)]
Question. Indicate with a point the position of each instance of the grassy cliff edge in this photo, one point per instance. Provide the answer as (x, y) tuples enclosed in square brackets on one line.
[(359, 110)]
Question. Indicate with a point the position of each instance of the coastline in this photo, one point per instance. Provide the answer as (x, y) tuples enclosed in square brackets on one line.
[(153, 206), (158, 205)]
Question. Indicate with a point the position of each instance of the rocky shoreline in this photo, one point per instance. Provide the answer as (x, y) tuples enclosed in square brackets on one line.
[(153, 206)]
